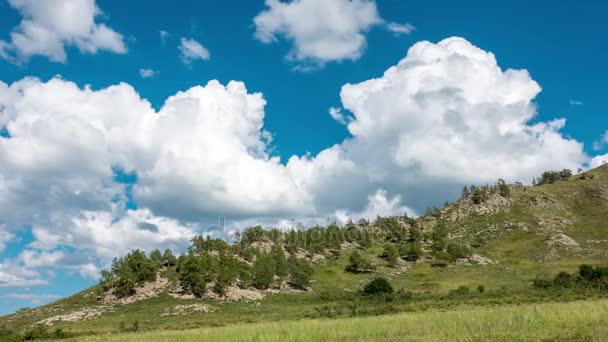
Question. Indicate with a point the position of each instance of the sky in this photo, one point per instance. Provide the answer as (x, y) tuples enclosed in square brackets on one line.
[(137, 124)]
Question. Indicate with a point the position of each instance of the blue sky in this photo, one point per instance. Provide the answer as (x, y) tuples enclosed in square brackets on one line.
[(558, 43)]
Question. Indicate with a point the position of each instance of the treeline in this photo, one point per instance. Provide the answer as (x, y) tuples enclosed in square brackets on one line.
[(480, 194), (549, 177), (271, 258), (588, 276)]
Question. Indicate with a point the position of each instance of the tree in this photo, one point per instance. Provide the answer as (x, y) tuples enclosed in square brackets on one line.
[(390, 254), (412, 251), (263, 271), (227, 274), (358, 264), (168, 258), (477, 196), (438, 237), (156, 257), (191, 276), (300, 271), (457, 250), (503, 188), (465, 191), (377, 286), (280, 261)]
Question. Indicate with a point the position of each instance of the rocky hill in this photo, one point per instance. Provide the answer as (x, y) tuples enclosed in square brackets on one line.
[(495, 237)]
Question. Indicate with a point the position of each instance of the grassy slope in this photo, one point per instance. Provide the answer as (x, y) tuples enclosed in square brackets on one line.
[(585, 320), (579, 210)]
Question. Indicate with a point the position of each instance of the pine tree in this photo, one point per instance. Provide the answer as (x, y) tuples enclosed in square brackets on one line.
[(263, 271)]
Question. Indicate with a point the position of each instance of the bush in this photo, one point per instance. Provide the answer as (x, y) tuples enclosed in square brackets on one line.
[(263, 271), (390, 254), (358, 264), (457, 250), (461, 291), (481, 289), (411, 251), (126, 327), (301, 272), (377, 286)]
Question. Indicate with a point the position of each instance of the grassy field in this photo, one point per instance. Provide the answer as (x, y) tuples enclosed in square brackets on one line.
[(583, 320)]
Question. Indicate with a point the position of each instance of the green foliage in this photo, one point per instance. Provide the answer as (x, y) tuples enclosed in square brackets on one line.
[(411, 251), (128, 327), (438, 237), (156, 257), (460, 291), (377, 286), (263, 271), (588, 276), (457, 250), (549, 177), (358, 264), (503, 188), (300, 271), (128, 272), (229, 270), (169, 259), (195, 272), (390, 254), (280, 261)]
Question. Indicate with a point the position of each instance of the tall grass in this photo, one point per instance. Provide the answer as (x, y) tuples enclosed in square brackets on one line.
[(584, 320)]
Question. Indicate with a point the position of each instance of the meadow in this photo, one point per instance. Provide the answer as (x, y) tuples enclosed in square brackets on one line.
[(580, 320)]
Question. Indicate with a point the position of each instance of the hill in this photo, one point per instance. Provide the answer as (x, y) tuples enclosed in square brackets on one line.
[(499, 244)]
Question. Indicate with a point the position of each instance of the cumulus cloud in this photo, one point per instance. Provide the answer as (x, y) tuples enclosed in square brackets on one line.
[(147, 73), (601, 142), (164, 36), (336, 114), (321, 31), (191, 50), (444, 116), (400, 29), (5, 237), (598, 161), (48, 27)]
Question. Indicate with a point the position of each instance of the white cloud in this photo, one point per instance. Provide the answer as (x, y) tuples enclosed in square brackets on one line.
[(147, 73), (444, 116), (598, 161), (321, 31), (576, 103), (400, 29), (32, 298), (336, 114), (377, 204), (49, 26), (191, 50), (5, 237), (601, 142), (164, 36), (13, 275), (447, 115)]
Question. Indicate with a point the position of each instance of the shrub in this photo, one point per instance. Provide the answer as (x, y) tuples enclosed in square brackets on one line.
[(301, 272), (481, 289), (460, 291), (457, 250), (411, 251), (263, 271), (390, 254), (377, 286), (358, 264)]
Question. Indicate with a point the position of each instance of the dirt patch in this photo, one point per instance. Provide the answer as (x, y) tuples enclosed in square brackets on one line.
[(148, 290), (80, 315)]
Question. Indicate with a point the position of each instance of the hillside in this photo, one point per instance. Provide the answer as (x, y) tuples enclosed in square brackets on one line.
[(484, 249)]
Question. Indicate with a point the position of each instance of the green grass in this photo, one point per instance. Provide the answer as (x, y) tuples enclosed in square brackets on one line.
[(584, 320)]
